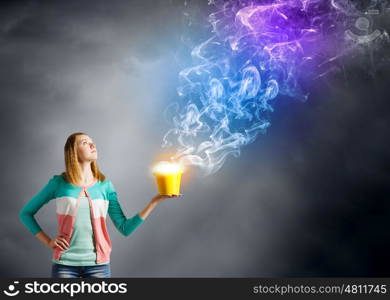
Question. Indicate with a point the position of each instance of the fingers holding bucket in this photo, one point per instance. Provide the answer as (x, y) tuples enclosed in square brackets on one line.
[(174, 195), (160, 197)]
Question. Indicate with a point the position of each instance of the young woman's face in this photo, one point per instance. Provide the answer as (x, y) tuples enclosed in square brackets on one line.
[(86, 148)]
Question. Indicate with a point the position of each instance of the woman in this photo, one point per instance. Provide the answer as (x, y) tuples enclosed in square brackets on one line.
[(83, 198)]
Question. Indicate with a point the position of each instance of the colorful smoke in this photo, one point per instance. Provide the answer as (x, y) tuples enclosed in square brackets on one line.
[(257, 50)]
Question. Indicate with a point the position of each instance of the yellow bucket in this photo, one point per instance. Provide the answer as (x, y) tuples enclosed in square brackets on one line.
[(168, 177)]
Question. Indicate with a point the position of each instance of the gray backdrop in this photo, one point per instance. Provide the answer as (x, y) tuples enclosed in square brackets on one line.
[(309, 198)]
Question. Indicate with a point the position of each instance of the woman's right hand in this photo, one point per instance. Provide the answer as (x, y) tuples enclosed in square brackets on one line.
[(158, 198), (58, 242)]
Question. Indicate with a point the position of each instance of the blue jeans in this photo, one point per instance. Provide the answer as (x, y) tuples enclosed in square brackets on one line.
[(65, 271)]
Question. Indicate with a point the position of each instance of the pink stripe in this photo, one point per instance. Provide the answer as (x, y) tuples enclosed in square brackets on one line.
[(102, 239), (103, 242), (65, 226)]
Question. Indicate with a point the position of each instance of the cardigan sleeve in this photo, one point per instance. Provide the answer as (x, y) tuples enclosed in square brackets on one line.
[(26, 214), (124, 225)]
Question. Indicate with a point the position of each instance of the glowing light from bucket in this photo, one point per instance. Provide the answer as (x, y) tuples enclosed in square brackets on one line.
[(165, 167)]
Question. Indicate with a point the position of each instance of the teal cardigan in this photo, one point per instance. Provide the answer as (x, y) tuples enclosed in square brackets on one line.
[(102, 199)]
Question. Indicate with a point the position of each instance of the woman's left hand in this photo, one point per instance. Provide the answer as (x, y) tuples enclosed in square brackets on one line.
[(158, 198)]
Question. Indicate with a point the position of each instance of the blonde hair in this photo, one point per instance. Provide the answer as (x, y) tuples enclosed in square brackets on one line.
[(72, 172)]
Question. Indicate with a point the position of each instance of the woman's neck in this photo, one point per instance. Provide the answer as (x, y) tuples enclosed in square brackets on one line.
[(86, 173)]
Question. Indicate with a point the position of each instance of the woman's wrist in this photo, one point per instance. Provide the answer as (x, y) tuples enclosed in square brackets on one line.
[(44, 238), (154, 200)]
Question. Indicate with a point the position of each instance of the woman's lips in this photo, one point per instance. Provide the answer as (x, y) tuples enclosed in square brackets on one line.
[(93, 151)]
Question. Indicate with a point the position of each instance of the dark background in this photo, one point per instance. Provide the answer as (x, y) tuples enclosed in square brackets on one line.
[(309, 198)]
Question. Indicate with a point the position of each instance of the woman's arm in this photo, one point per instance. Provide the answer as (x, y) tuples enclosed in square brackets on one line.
[(44, 238), (152, 204), (27, 212), (127, 225), (26, 215), (147, 210), (59, 241)]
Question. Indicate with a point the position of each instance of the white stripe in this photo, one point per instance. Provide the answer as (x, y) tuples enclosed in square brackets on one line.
[(66, 206), (100, 207)]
